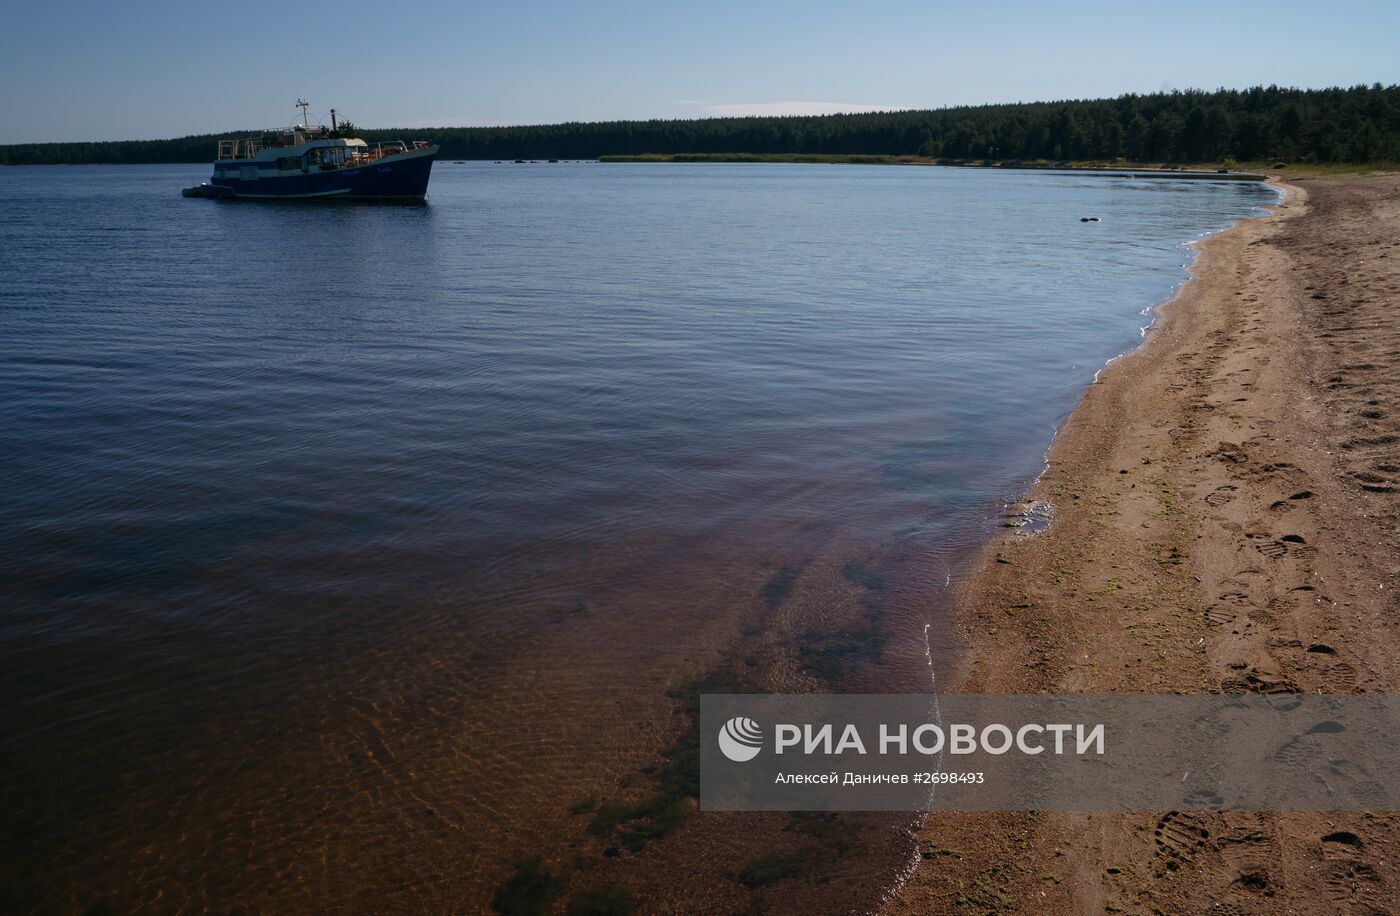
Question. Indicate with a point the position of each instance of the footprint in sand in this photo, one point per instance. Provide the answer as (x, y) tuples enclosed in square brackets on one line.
[(1221, 495), (1204, 799), (1217, 616), (1352, 882), (1183, 838)]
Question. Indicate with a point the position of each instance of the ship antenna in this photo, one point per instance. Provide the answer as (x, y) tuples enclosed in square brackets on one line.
[(303, 105)]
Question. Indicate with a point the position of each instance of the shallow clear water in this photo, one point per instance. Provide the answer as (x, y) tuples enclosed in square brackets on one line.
[(314, 519)]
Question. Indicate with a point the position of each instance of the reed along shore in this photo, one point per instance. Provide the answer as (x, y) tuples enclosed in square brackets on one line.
[(1226, 507)]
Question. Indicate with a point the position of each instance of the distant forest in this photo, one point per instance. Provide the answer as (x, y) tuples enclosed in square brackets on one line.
[(1355, 125)]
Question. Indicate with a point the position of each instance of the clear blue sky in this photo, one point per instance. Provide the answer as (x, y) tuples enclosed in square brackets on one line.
[(153, 68)]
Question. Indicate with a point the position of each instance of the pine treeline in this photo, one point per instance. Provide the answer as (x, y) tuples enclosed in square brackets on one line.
[(1358, 124)]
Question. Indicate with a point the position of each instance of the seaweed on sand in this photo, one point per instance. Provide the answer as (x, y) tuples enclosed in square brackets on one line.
[(830, 838), (675, 796), (529, 890)]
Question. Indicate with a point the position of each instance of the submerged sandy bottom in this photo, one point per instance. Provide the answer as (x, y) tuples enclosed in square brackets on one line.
[(396, 579)]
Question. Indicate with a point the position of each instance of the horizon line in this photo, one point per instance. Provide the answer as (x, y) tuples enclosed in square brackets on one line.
[(855, 111)]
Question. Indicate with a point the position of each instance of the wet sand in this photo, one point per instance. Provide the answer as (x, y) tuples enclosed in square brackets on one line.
[(1226, 519)]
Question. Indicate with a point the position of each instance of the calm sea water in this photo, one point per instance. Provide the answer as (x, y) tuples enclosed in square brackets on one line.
[(342, 548)]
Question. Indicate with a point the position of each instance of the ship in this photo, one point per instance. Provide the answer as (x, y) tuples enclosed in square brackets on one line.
[(313, 162)]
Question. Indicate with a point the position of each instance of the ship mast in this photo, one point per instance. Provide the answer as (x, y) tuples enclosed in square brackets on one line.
[(303, 105)]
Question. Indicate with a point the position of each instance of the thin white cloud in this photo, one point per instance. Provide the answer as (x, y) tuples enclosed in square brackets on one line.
[(772, 109)]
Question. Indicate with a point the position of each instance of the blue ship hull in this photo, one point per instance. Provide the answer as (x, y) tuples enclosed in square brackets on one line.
[(400, 177)]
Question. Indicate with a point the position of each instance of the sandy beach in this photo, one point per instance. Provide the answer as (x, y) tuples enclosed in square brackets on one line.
[(1226, 519)]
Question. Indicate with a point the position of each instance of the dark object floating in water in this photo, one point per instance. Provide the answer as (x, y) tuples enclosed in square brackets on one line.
[(554, 160), (520, 162), (302, 162), (1088, 219), (205, 189), (459, 162)]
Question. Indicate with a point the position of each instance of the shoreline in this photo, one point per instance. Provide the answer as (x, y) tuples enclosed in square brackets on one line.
[(1034, 515), (1124, 169), (1207, 537)]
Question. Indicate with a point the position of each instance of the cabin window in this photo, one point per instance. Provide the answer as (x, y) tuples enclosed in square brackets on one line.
[(288, 163)]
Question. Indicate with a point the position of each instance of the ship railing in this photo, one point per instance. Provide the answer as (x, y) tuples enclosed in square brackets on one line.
[(350, 157), (394, 147), (239, 149), (249, 147)]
